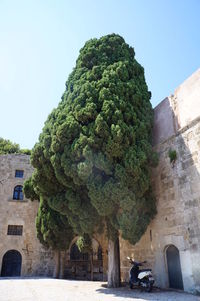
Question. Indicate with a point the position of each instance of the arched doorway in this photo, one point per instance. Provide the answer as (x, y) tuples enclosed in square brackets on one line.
[(79, 263), (174, 267), (82, 266), (11, 264)]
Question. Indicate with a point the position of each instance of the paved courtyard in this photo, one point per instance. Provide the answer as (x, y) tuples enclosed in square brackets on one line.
[(66, 290)]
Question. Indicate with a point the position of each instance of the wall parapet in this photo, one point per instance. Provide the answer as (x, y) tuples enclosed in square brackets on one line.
[(177, 111)]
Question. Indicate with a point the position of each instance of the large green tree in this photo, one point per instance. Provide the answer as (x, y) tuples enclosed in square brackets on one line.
[(92, 161)]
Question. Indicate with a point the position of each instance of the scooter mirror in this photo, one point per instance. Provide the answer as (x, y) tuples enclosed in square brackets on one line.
[(128, 258)]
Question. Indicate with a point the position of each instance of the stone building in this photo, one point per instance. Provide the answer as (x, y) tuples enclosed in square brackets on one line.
[(20, 251), (171, 244)]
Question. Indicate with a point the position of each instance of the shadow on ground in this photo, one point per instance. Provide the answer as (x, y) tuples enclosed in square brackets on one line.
[(136, 293)]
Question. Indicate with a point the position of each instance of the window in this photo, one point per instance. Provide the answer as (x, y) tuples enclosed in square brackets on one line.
[(14, 230), (19, 173), (18, 193)]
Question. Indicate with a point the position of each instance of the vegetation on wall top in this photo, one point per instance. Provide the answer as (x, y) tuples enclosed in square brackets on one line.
[(8, 147)]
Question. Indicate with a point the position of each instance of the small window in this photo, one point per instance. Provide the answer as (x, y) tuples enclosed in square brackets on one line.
[(19, 173), (18, 193), (14, 230)]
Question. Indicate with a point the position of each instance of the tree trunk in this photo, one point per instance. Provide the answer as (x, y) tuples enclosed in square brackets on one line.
[(113, 263), (62, 265), (91, 267), (57, 265)]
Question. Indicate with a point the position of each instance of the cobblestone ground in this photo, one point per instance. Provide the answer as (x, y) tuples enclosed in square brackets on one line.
[(66, 290)]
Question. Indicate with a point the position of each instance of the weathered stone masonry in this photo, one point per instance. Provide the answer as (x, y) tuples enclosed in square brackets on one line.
[(36, 261), (177, 190)]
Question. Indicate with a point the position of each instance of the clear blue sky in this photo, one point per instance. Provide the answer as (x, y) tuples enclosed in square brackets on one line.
[(40, 41)]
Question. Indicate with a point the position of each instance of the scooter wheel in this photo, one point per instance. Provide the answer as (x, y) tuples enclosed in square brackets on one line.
[(149, 287)]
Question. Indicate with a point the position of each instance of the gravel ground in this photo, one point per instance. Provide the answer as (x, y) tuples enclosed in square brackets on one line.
[(66, 290)]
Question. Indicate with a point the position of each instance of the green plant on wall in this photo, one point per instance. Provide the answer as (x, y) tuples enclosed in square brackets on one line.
[(172, 156)]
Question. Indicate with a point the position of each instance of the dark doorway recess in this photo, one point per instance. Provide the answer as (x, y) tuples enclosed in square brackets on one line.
[(174, 267), (79, 266), (75, 254), (11, 264)]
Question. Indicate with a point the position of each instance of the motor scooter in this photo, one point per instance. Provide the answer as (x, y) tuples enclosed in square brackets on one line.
[(141, 278)]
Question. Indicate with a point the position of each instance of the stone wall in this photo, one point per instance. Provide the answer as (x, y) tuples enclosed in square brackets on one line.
[(178, 110), (35, 259), (177, 190), (186, 100)]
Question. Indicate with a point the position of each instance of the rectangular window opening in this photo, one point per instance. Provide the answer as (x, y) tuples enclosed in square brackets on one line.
[(19, 173), (15, 230)]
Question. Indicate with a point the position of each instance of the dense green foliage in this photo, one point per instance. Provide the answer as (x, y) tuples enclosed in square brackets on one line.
[(25, 151), (53, 229), (8, 147), (28, 190), (92, 161)]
